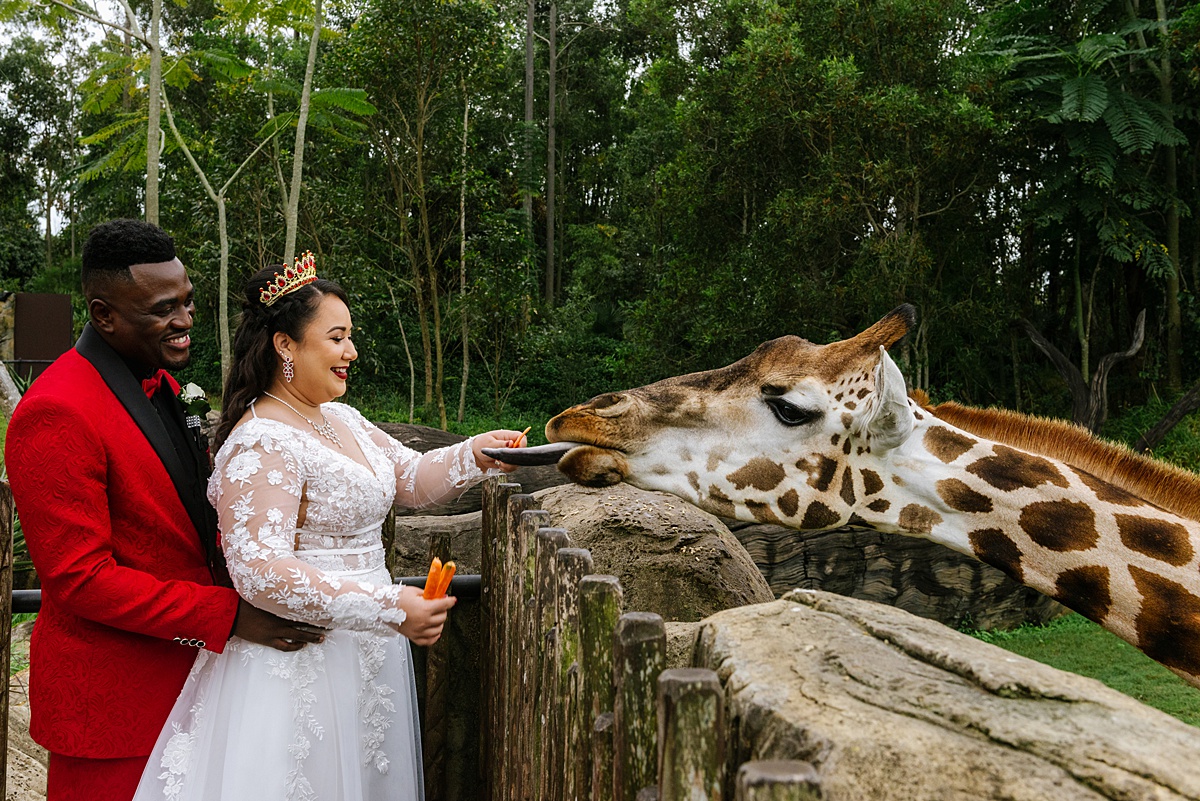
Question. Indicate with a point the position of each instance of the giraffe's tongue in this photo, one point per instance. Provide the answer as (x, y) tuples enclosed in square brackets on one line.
[(540, 454)]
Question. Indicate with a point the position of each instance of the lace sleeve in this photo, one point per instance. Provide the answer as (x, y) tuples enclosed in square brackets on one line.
[(257, 491), (422, 479)]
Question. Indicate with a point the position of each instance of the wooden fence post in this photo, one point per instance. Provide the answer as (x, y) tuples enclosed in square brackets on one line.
[(492, 598), (602, 757), (639, 655), (783, 780), (527, 633), (691, 735), (6, 583), (437, 681), (508, 601), (549, 542), (573, 564), (600, 600)]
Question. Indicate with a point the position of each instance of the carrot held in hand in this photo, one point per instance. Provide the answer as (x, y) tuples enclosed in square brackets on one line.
[(444, 579), (432, 580), (516, 443)]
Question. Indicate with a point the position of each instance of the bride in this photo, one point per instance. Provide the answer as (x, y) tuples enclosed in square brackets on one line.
[(302, 486)]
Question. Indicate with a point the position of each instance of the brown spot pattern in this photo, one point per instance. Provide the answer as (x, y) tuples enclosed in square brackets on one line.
[(694, 480), (1168, 625), (1060, 525), (846, 446), (872, 483), (823, 476), (1086, 590), (762, 512), (846, 421), (879, 505), (789, 503), (1008, 469), (848, 487), (1158, 539), (862, 393), (851, 405), (818, 516), (719, 503), (918, 519), (947, 444), (958, 495), (760, 473), (1107, 492), (836, 438), (997, 549)]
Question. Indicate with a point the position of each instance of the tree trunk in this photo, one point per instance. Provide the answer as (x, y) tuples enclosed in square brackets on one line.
[(293, 207), (1187, 404), (412, 372), (1081, 328), (430, 267), (527, 173), (154, 126), (462, 263), (1089, 401), (551, 108), (223, 290), (1166, 96)]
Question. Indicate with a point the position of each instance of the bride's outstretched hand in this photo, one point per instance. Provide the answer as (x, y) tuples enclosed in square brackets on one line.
[(501, 438), (424, 619)]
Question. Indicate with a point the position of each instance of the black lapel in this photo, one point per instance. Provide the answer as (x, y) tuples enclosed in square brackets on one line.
[(129, 392)]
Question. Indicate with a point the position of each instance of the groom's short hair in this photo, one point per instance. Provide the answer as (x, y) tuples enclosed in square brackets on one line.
[(113, 247)]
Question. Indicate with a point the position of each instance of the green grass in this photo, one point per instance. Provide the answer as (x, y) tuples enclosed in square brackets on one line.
[(1078, 645)]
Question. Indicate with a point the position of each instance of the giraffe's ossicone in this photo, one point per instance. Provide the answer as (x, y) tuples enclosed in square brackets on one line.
[(818, 436)]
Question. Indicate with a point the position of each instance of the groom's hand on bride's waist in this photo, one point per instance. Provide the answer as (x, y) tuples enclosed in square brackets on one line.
[(257, 626)]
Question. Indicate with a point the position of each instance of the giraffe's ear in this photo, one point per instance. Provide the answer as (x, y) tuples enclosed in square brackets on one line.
[(886, 417)]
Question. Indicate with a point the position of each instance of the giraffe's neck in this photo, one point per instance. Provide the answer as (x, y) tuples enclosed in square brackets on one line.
[(1130, 566)]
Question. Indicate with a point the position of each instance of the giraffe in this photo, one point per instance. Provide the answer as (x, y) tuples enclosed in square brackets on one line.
[(818, 436)]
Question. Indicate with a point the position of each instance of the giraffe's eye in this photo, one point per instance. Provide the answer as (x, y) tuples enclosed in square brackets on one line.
[(789, 413)]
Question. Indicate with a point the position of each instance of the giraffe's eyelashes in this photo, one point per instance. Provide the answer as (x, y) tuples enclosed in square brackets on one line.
[(789, 413)]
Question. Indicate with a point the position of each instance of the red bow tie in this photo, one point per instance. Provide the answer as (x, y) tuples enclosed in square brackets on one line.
[(153, 383)]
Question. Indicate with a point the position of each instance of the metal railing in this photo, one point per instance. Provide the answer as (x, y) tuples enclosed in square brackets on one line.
[(465, 587)]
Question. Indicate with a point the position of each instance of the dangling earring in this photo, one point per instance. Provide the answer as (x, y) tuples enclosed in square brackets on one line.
[(289, 372)]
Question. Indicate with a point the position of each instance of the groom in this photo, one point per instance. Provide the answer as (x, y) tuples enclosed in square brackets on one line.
[(110, 488)]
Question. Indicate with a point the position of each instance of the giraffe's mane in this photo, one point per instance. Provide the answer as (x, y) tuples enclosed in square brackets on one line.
[(1169, 487)]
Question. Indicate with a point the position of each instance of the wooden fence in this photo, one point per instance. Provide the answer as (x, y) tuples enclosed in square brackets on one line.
[(578, 704)]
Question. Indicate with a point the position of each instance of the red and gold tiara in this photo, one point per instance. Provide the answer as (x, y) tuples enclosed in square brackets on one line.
[(289, 279)]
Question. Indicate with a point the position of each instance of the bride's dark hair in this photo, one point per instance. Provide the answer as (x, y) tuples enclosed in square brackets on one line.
[(255, 361)]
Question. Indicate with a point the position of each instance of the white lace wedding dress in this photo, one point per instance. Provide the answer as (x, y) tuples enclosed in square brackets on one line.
[(330, 722)]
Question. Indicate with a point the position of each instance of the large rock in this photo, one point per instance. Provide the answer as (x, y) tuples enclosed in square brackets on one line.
[(913, 574), (887, 705), (671, 558)]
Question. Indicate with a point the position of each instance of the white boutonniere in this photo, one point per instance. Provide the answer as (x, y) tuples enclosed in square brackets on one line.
[(195, 400)]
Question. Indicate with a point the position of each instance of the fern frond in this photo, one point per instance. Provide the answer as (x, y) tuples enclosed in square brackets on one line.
[(1084, 98), (351, 101)]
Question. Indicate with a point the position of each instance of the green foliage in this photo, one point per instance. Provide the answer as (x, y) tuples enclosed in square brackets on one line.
[(1076, 644)]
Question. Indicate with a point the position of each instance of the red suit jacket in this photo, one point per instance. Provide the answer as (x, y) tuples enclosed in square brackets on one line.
[(127, 593)]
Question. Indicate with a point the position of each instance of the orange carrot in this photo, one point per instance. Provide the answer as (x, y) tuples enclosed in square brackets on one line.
[(431, 581), (516, 443), (444, 580)]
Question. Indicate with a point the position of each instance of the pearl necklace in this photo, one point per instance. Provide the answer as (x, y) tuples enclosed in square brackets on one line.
[(324, 428)]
